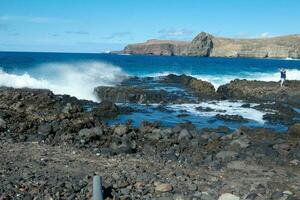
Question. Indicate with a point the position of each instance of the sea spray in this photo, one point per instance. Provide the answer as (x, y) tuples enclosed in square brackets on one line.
[(76, 79)]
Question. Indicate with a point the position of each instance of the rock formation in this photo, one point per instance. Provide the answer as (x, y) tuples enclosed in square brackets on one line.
[(261, 91), (208, 45), (158, 47)]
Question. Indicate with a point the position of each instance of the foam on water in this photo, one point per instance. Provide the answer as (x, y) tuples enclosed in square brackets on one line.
[(221, 79), (76, 79), (230, 108)]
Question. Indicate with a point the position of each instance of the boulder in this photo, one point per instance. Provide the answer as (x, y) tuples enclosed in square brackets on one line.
[(88, 135), (155, 134), (106, 109), (45, 129), (184, 135)]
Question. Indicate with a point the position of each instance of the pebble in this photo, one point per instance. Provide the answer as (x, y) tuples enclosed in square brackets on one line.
[(164, 187), (228, 196)]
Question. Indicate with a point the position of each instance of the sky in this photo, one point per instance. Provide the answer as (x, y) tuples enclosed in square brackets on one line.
[(104, 25)]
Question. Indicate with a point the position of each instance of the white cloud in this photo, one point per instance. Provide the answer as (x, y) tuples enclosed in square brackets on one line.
[(264, 35), (172, 32), (80, 32), (117, 35), (245, 35), (32, 19)]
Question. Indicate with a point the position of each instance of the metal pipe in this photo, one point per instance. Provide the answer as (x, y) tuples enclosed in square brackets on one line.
[(97, 188)]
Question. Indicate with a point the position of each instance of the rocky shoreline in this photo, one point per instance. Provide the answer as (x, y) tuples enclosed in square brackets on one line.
[(181, 89), (52, 145)]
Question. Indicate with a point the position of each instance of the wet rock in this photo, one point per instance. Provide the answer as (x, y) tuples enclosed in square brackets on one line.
[(182, 115), (164, 187), (204, 109), (208, 109), (278, 112), (106, 109), (246, 105), (203, 89), (236, 118), (228, 196), (129, 94)]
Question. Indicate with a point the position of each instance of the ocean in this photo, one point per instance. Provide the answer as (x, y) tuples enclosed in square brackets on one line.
[(78, 74)]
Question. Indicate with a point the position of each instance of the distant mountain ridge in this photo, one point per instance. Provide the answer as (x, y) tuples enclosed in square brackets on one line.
[(207, 45)]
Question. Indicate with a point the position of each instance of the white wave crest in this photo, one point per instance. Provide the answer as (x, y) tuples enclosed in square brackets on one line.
[(75, 79), (217, 80), (221, 79)]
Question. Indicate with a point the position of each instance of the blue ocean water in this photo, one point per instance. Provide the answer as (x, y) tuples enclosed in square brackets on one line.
[(78, 74), (19, 62)]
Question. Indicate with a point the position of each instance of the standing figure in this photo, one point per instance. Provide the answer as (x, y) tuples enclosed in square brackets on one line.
[(282, 76)]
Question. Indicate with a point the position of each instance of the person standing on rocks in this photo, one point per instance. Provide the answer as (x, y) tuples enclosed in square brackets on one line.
[(282, 76)]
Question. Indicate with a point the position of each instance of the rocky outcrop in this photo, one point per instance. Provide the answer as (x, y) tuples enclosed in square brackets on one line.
[(261, 91), (158, 47), (128, 94), (201, 45), (144, 90), (203, 89), (206, 45)]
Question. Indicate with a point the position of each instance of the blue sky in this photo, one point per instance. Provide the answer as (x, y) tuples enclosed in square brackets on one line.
[(101, 25)]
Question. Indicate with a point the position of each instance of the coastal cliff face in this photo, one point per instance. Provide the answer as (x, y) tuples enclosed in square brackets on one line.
[(207, 45), (158, 47)]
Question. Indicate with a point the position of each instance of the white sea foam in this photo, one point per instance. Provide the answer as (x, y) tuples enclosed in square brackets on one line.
[(221, 79), (291, 59), (75, 79), (230, 108)]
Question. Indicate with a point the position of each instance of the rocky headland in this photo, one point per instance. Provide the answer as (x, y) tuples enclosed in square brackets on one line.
[(52, 145), (207, 45)]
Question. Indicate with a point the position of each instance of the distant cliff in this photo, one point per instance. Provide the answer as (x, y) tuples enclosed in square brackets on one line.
[(208, 45)]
